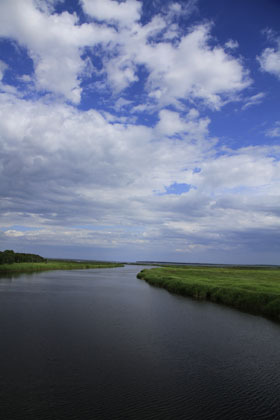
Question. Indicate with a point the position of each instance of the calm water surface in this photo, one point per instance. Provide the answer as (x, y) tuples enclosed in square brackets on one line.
[(100, 344)]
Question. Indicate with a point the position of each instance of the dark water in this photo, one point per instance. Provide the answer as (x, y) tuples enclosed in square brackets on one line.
[(100, 344)]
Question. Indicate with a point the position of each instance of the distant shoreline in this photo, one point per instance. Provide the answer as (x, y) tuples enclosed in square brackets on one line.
[(190, 264), (54, 265)]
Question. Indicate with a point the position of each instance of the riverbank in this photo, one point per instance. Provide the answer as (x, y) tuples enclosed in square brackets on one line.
[(254, 290), (55, 265)]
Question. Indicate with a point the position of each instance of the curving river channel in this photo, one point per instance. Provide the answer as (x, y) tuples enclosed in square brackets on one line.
[(101, 344)]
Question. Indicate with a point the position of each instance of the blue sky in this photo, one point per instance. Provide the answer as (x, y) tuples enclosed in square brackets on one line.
[(141, 130)]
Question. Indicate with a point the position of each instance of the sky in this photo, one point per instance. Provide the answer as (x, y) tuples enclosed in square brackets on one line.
[(141, 130)]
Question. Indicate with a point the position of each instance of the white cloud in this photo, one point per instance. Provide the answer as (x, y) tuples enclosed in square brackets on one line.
[(90, 151), (54, 42), (3, 68), (3, 86), (122, 103), (178, 66), (247, 169), (94, 178), (124, 13), (13, 233), (275, 131), (171, 123), (270, 59), (188, 69), (61, 167), (254, 100), (231, 44)]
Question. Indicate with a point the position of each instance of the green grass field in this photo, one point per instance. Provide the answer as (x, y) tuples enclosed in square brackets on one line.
[(251, 289), (54, 265)]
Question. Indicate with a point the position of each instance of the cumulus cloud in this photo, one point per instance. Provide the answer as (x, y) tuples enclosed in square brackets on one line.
[(187, 69), (270, 61), (96, 152), (194, 69), (54, 42), (84, 176), (171, 123), (231, 44), (124, 13), (179, 66), (62, 168), (270, 58)]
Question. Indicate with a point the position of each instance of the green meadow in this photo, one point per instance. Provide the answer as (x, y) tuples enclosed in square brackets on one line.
[(54, 265), (251, 289)]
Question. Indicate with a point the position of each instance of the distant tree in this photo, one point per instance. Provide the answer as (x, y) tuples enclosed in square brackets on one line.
[(10, 257)]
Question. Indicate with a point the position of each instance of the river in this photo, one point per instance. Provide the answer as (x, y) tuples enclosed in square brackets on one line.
[(101, 344)]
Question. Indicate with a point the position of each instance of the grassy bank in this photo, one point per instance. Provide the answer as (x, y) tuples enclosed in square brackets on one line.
[(54, 265), (250, 289)]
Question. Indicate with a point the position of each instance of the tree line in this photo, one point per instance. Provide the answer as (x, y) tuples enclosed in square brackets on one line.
[(10, 257)]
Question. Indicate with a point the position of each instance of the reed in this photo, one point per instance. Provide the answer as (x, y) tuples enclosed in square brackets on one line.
[(254, 290), (54, 265)]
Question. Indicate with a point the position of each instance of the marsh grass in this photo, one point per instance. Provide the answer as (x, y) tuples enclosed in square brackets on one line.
[(250, 289), (54, 265)]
